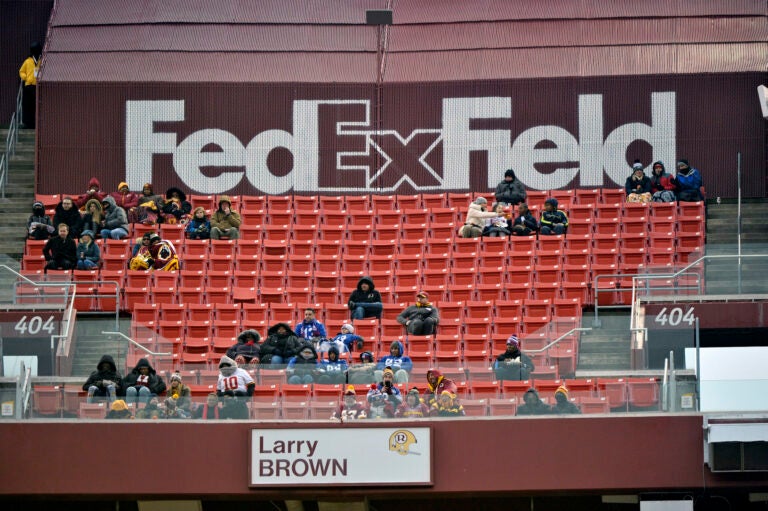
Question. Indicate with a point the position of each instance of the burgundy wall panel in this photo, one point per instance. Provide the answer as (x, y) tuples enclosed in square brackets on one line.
[(648, 452), (351, 138)]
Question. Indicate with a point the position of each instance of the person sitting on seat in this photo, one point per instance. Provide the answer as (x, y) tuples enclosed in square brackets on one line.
[(93, 192), (524, 223), (513, 364), (688, 182), (162, 254), (638, 185), (349, 408), (176, 209), (397, 361), (39, 225), (533, 404), (224, 221), (553, 221), (563, 405), (474, 223), (246, 350), (105, 381), (125, 198), (67, 213), (199, 228), (421, 318), (88, 253), (143, 382), (511, 190), (60, 252), (365, 301), (115, 223)]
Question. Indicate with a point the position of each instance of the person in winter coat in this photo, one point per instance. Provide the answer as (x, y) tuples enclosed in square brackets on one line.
[(688, 182), (39, 226), (119, 410), (176, 209), (498, 226), (397, 360), (345, 341), (162, 254), (638, 185), (513, 364), (28, 72), (105, 381), (553, 221), (93, 192), (334, 369), (384, 397), (210, 410), (88, 253), (235, 386), (225, 221), (448, 405), (474, 223), (93, 218), (365, 301), (511, 190), (350, 408), (67, 213), (562, 404), (524, 223), (662, 188), (364, 371), (533, 404), (420, 318), (412, 407), (143, 382), (311, 330), (199, 228), (436, 384), (281, 344), (246, 350), (148, 210), (125, 198), (304, 367), (60, 252), (180, 393), (115, 224)]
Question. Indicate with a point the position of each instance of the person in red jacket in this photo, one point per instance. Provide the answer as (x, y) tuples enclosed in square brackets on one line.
[(125, 198), (436, 384), (93, 192)]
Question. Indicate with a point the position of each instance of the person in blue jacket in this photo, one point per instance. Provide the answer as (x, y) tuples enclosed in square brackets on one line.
[(311, 329), (400, 363), (334, 369), (688, 182), (345, 341)]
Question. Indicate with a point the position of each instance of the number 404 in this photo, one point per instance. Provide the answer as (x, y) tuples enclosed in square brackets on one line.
[(34, 325), (675, 316)]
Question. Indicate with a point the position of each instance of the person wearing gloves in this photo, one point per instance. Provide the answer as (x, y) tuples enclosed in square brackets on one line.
[(384, 398), (513, 364), (105, 381), (39, 225), (345, 341), (421, 318), (553, 221), (474, 223), (199, 228), (510, 191), (280, 345)]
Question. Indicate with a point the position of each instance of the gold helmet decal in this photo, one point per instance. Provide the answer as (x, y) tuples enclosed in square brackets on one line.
[(400, 441)]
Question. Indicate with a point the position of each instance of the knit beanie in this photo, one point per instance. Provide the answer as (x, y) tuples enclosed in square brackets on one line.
[(349, 328), (562, 390), (118, 406)]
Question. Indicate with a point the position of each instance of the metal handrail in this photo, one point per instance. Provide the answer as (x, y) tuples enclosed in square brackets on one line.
[(569, 332), (143, 348), (11, 139), (23, 391), (64, 335)]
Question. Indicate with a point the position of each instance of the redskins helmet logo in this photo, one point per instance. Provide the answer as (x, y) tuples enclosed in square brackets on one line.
[(401, 440)]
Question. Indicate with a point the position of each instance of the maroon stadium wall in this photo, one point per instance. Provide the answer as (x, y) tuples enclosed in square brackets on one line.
[(486, 456), (557, 133)]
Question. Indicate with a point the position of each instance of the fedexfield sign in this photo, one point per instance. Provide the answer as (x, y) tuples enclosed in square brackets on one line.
[(211, 160), (370, 456)]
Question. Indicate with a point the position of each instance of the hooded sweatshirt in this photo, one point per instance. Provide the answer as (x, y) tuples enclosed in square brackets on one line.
[(662, 180), (360, 296), (533, 404), (98, 194), (155, 382), (109, 373), (396, 362), (433, 391), (301, 366), (115, 217), (334, 367), (225, 221), (89, 251), (39, 217)]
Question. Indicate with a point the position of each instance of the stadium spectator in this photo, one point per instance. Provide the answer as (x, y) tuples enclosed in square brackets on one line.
[(176, 209), (498, 226), (209, 410), (235, 385), (345, 341), (67, 213), (436, 384), (384, 397), (638, 185), (93, 218), (510, 191), (304, 367), (173, 411), (524, 223), (148, 210), (60, 252), (662, 188), (152, 410), (448, 405), (334, 369), (140, 254), (421, 318), (562, 404), (224, 221), (688, 181), (513, 364), (553, 221), (349, 408), (119, 410), (365, 301), (474, 223), (105, 381), (364, 371), (28, 74), (310, 329), (533, 404), (115, 223), (88, 253), (143, 382), (125, 198), (199, 227), (246, 350), (162, 254), (39, 225), (181, 395), (397, 360), (92, 192), (281, 344), (412, 407)]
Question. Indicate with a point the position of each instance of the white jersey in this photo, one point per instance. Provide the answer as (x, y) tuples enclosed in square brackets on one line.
[(237, 382)]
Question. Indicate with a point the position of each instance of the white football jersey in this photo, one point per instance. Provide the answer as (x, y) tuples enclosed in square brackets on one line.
[(238, 381)]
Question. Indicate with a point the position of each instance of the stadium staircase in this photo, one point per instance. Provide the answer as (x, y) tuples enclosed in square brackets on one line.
[(606, 349)]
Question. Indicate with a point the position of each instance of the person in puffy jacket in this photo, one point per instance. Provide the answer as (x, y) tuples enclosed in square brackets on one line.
[(510, 190), (88, 253), (420, 318), (553, 221), (474, 223), (105, 381), (115, 220), (143, 382), (281, 344), (247, 349), (688, 182), (662, 187)]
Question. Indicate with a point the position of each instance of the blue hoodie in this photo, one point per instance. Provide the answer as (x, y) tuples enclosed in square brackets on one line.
[(396, 362), (334, 367)]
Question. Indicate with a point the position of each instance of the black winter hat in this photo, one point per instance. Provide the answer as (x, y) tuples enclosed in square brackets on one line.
[(510, 173)]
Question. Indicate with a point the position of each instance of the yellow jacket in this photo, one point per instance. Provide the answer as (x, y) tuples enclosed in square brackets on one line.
[(28, 71)]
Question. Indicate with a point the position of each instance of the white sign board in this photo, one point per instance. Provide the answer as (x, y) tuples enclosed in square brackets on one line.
[(367, 456)]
